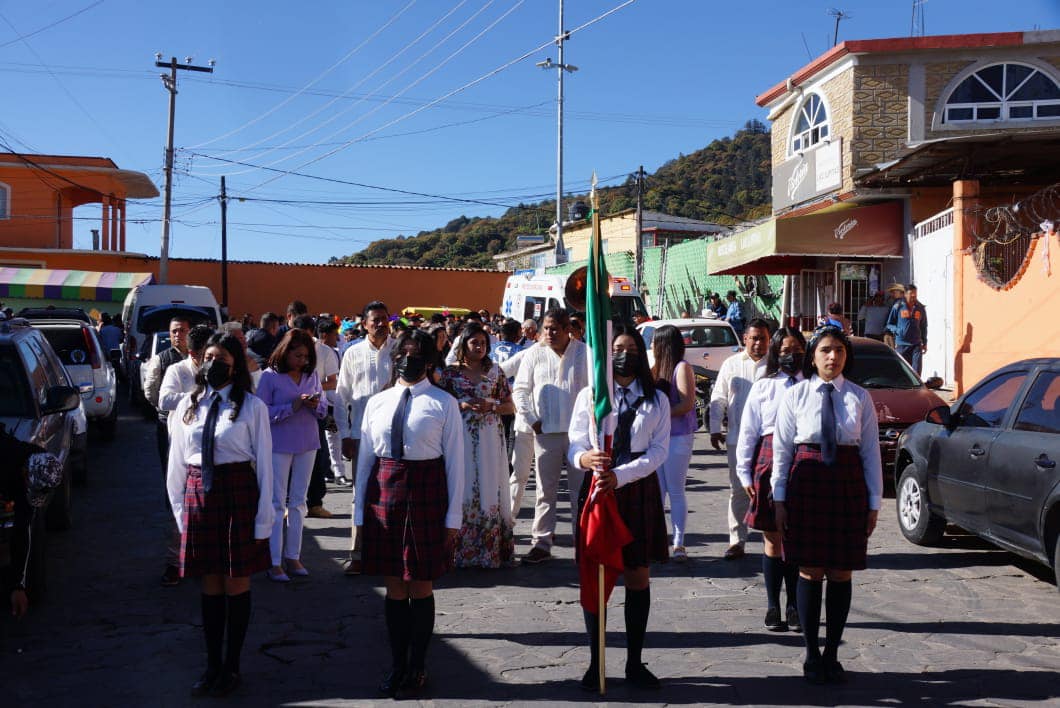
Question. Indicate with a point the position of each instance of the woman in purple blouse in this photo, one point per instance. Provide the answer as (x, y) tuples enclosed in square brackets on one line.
[(291, 390)]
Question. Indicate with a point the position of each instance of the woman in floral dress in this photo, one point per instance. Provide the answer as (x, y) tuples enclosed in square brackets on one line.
[(486, 539)]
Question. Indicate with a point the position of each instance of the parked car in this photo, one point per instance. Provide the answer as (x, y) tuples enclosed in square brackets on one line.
[(37, 405), (708, 343), (988, 464), (148, 309), (51, 312), (81, 352)]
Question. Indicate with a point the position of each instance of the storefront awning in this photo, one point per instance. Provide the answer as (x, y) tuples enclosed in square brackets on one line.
[(44, 283), (786, 246)]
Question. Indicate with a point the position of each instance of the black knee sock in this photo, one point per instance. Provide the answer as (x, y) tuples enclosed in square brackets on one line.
[(422, 629), (837, 607), (213, 627), (592, 628), (638, 603), (791, 582), (238, 621), (809, 601), (772, 572), (399, 627)]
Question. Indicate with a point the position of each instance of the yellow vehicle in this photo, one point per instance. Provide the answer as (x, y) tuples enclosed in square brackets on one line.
[(426, 312)]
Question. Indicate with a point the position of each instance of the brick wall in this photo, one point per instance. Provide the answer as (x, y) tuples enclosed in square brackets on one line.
[(880, 120)]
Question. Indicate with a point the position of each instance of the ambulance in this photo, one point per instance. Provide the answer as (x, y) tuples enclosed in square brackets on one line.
[(530, 294)]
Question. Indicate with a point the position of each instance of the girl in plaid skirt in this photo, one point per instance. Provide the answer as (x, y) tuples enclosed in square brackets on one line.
[(754, 466), (408, 506), (827, 488), (220, 461)]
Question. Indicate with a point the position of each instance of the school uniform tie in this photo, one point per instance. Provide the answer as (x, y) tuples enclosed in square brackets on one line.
[(397, 425), (623, 402), (828, 442), (208, 430), (791, 381)]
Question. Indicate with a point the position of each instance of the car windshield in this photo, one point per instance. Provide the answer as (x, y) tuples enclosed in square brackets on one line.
[(14, 396), (156, 317), (882, 369), (709, 337)]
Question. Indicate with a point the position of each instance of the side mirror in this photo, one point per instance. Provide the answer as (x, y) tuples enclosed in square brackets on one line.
[(941, 415), (115, 358), (59, 399), (934, 383)]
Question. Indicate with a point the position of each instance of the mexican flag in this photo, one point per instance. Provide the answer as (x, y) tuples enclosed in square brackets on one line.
[(601, 532)]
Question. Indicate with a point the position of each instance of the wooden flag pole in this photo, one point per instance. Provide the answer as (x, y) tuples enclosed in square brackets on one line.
[(601, 624)]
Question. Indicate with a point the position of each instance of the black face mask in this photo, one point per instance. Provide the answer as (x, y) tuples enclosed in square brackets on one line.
[(791, 364), (625, 363), (411, 367), (217, 373)]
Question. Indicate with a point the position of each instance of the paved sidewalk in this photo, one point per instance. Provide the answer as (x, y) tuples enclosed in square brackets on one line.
[(963, 624)]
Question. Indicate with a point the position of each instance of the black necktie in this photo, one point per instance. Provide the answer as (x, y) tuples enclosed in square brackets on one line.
[(397, 425), (208, 430), (828, 443), (792, 381), (623, 402)]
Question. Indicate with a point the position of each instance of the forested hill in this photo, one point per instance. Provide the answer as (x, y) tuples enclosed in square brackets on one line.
[(726, 182)]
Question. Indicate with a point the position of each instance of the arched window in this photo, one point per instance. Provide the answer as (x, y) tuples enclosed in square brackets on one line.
[(1004, 92), (5, 201), (811, 124)]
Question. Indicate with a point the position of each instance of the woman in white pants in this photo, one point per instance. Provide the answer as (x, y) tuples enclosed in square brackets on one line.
[(291, 390), (668, 350)]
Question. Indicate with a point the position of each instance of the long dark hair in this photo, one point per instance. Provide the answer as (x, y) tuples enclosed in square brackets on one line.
[(643, 375), (293, 339), (668, 348), (241, 382), (425, 344), (473, 329), (808, 367), (773, 357)]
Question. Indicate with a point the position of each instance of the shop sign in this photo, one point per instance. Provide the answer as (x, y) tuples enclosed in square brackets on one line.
[(803, 177)]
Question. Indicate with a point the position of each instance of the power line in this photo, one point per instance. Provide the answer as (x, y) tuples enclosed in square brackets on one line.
[(46, 27), (299, 92)]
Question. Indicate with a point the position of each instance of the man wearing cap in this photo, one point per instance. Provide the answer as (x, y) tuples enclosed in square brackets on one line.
[(908, 322)]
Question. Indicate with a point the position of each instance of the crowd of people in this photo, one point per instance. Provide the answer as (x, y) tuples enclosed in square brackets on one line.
[(442, 421)]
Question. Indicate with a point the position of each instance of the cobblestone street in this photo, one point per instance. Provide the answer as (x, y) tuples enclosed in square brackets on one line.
[(961, 624)]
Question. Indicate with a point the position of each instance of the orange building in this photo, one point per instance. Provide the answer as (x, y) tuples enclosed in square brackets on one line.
[(38, 194)]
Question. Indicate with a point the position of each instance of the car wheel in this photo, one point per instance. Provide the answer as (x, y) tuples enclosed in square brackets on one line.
[(59, 516), (915, 519)]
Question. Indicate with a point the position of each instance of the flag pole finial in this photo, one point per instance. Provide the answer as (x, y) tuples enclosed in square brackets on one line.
[(592, 194)]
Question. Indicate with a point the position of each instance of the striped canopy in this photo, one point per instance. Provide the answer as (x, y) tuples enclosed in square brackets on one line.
[(44, 283)]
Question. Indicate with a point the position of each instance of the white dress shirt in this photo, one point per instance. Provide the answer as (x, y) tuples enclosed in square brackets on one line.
[(327, 366), (510, 367), (799, 421), (177, 383), (248, 438), (547, 384), (433, 429), (650, 433), (365, 371), (730, 391), (758, 420)]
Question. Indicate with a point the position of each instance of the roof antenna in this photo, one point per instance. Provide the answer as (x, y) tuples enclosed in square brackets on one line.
[(839, 16)]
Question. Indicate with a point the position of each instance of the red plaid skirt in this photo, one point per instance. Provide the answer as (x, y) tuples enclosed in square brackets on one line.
[(641, 508), (828, 509), (760, 513), (218, 536), (404, 521)]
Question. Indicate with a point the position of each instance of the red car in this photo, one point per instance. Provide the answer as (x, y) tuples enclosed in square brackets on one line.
[(900, 396)]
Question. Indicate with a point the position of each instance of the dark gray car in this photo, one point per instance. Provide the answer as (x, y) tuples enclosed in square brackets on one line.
[(989, 464)]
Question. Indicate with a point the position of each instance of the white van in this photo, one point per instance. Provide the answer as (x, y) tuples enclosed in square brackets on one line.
[(149, 308), (530, 295)]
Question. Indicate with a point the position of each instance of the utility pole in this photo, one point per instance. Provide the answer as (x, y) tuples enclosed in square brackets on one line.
[(224, 244), (170, 82), (638, 250), (560, 67)]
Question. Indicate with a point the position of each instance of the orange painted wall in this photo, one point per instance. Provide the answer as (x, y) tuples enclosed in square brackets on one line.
[(258, 287)]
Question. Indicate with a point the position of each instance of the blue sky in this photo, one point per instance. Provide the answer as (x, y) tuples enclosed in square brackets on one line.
[(295, 81)]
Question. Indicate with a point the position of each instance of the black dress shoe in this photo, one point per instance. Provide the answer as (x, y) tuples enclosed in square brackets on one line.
[(834, 672), (415, 684), (813, 671), (392, 682), (793, 619), (639, 676), (773, 621), (591, 680), (225, 684), (205, 682)]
